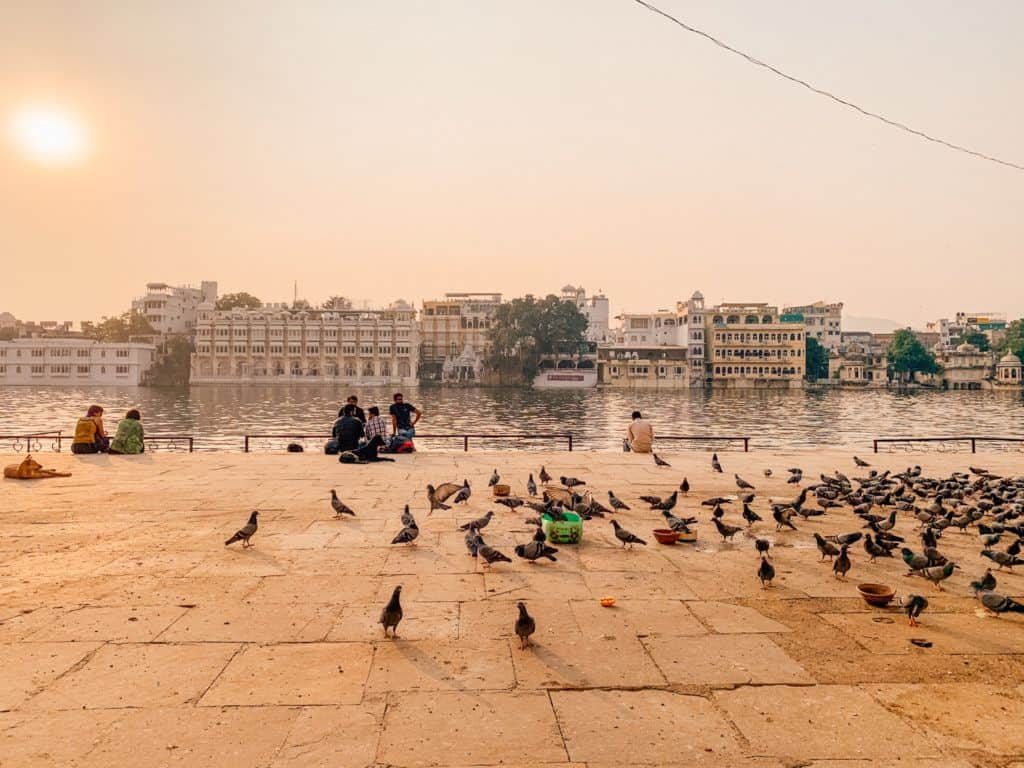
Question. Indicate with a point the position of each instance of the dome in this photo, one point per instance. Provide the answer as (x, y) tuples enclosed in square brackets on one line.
[(1009, 359), (697, 295), (966, 348)]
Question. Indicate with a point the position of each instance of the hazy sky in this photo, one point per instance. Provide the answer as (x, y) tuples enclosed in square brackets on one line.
[(403, 149)]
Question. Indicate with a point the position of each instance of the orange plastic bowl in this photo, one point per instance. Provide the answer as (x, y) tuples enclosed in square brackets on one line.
[(607, 602)]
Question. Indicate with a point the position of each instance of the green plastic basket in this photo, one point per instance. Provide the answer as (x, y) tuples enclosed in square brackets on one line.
[(568, 531)]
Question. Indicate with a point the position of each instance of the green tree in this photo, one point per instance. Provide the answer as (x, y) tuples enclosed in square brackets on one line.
[(336, 302), (122, 328), (173, 367), (977, 338), (1014, 339), (816, 359), (907, 356), (300, 304), (525, 329), (241, 300)]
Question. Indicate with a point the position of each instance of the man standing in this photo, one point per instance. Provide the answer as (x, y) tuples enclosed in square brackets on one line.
[(404, 416), (640, 434)]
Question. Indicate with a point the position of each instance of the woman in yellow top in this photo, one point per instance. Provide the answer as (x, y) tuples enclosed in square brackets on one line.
[(90, 437)]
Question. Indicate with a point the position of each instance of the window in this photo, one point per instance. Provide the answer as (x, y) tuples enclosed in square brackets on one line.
[(257, 349), (3, 370), (122, 353), (83, 370), (121, 370), (83, 353), (239, 349), (276, 349), (367, 350), (312, 349), (38, 370), (63, 369), (294, 349), (38, 352)]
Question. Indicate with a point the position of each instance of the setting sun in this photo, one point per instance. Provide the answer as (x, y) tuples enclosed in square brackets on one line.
[(49, 135)]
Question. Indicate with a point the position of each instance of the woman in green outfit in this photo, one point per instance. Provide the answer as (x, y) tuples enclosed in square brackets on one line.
[(129, 434)]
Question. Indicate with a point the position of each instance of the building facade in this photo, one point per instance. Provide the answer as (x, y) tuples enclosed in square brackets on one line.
[(644, 367), (595, 309), (453, 336), (823, 322), (691, 318), (858, 361), (363, 347), (751, 345), (172, 309), (73, 362), (951, 332)]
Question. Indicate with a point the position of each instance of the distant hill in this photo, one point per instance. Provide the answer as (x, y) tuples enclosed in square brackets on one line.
[(872, 324)]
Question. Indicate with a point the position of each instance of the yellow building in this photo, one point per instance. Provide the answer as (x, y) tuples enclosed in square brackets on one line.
[(453, 335), (752, 345)]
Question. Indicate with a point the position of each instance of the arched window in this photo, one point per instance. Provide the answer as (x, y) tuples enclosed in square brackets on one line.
[(751, 319), (403, 369), (385, 368), (368, 369), (767, 319)]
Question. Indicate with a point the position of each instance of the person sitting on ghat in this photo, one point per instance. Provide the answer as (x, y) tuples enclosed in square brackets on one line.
[(639, 434), (129, 436), (348, 429), (90, 437), (375, 425), (358, 412), (404, 416)]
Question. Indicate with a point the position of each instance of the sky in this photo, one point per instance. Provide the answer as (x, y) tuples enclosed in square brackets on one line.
[(405, 149)]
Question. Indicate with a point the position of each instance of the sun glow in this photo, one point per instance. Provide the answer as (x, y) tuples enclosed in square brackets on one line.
[(49, 135)]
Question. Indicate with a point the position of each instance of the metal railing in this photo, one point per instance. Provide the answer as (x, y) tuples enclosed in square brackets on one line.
[(708, 439), (949, 444), (32, 443), (170, 442), (266, 439)]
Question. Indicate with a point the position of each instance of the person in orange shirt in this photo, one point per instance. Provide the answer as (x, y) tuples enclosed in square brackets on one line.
[(640, 434)]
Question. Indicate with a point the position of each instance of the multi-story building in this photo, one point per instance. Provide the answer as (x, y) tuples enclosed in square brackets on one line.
[(73, 362), (357, 346), (643, 366), (453, 335), (692, 332), (751, 345), (12, 328), (653, 329), (594, 308), (858, 361), (951, 332), (822, 321), (172, 309)]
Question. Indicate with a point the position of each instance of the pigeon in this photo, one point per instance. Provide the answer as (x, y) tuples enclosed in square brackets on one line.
[(535, 550), (616, 502), (1014, 548), (512, 502), (491, 555), (726, 531), (762, 546), (531, 486), (767, 472), (874, 550), (914, 606), (495, 479), (938, 574), (846, 538), (392, 613), (742, 484), (685, 486), (407, 517), (473, 541), (781, 516), (668, 504), (570, 482), (340, 507), (765, 572), (750, 515), (659, 462), (716, 465), (860, 462), (914, 561), (407, 535), (544, 476), (841, 565), (625, 536), (435, 502), (827, 548), (524, 627), (463, 494), (652, 500), (996, 604), (245, 533), (986, 582), (795, 478), (1004, 559), (480, 523), (679, 523)]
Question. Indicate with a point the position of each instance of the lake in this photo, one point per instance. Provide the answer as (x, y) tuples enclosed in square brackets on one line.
[(219, 415)]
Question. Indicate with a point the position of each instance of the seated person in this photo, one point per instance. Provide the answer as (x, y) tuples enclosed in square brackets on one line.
[(347, 430), (640, 434), (90, 437), (128, 438), (404, 416), (375, 425), (358, 412), (368, 450)]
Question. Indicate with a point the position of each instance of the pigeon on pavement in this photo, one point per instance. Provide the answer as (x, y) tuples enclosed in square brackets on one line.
[(524, 627), (480, 523), (340, 507), (625, 536), (245, 533), (392, 613)]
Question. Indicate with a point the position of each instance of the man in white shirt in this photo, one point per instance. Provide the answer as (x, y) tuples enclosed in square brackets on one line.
[(640, 434)]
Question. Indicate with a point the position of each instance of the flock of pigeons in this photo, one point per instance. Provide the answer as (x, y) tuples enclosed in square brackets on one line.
[(991, 505)]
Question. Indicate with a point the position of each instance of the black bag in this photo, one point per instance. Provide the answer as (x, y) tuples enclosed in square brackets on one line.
[(331, 447)]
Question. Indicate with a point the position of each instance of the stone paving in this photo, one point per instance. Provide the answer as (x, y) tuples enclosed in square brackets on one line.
[(130, 636)]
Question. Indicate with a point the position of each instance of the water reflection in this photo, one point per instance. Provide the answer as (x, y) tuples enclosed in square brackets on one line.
[(219, 415)]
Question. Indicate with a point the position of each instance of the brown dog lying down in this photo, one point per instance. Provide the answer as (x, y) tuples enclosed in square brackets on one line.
[(30, 469)]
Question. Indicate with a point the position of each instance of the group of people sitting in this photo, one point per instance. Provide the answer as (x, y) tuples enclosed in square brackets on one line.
[(357, 438), (91, 437)]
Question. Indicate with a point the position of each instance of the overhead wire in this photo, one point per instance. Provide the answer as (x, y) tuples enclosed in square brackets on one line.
[(828, 94)]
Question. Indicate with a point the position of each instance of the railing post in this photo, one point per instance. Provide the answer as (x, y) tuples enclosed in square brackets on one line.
[(191, 444), (465, 443), (570, 442), (246, 450), (972, 445), (876, 445), (746, 445)]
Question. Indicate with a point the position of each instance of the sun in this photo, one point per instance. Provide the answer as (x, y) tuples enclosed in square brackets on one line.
[(49, 135)]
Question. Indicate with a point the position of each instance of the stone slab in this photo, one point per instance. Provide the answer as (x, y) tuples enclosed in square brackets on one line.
[(728, 619), (293, 674), (420, 621), (234, 622), (430, 665), (493, 619), (948, 633), (28, 667), (586, 662), (115, 624), (725, 660), (332, 737), (633, 618)]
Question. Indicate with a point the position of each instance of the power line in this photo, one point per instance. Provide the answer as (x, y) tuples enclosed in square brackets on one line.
[(827, 94)]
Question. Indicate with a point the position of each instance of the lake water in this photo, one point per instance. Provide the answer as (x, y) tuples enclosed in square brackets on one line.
[(218, 416)]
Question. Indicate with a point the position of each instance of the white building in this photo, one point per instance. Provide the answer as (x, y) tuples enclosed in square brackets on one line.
[(823, 322), (595, 309), (354, 346), (172, 309), (691, 319), (73, 362), (651, 329)]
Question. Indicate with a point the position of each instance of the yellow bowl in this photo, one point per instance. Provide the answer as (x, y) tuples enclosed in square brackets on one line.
[(607, 602)]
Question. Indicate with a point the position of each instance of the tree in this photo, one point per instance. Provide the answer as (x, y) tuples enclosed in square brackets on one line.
[(300, 304), (1013, 341), (977, 338), (816, 358), (173, 367), (907, 356), (523, 330), (241, 300), (336, 302), (123, 328)]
